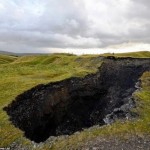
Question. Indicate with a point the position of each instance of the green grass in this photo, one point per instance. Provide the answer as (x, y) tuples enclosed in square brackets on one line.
[(4, 59), (18, 74)]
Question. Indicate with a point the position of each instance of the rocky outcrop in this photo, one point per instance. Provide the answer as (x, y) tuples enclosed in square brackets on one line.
[(68, 106)]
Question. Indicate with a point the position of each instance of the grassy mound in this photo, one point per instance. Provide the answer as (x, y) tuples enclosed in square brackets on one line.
[(7, 59)]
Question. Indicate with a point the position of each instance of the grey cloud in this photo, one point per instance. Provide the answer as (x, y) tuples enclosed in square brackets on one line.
[(37, 24)]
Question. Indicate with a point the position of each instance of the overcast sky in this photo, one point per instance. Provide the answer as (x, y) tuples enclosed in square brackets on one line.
[(79, 26)]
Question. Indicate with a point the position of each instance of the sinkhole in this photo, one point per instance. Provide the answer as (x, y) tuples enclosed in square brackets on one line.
[(70, 105)]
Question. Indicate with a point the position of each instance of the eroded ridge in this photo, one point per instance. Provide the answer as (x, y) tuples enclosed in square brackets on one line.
[(68, 106)]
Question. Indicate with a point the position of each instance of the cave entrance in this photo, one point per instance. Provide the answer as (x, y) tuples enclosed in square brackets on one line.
[(73, 104)]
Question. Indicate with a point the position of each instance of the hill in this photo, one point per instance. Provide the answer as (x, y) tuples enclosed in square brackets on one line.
[(7, 53), (20, 54)]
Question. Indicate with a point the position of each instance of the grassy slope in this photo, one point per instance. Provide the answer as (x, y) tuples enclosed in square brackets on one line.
[(25, 72)]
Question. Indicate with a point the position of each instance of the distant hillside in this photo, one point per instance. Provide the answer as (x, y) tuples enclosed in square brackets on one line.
[(141, 54), (20, 54), (37, 58), (7, 53)]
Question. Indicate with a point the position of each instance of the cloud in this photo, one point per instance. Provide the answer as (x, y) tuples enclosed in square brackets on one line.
[(37, 25)]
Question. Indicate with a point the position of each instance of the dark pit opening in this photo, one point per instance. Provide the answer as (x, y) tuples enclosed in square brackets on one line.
[(73, 104)]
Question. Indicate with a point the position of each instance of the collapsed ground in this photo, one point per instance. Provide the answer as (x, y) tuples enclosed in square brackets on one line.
[(68, 106)]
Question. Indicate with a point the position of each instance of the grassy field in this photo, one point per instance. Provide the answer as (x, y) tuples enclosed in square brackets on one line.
[(18, 74)]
